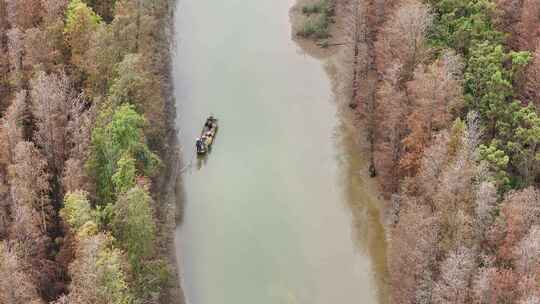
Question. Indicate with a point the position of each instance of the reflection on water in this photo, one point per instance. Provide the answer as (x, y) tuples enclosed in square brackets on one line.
[(201, 161), (369, 234)]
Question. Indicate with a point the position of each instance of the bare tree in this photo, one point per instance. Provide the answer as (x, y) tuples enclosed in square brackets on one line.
[(16, 287), (486, 199), (53, 100), (433, 163), (453, 285), (402, 38), (411, 252), (15, 52), (521, 210), (531, 90), (75, 177), (495, 285), (97, 272), (435, 93), (13, 122), (527, 31), (23, 13), (530, 300), (54, 9), (29, 180), (42, 56), (391, 110), (527, 252)]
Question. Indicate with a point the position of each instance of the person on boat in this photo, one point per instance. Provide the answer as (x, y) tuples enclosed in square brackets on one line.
[(199, 144)]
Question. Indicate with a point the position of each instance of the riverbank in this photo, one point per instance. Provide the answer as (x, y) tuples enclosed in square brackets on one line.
[(347, 55), (448, 203), (168, 184)]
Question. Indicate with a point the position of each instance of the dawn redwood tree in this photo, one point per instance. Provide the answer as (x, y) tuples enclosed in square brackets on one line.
[(5, 202), (509, 15), (53, 10), (531, 300), (33, 245), (527, 253), (29, 181), (436, 92), (527, 31), (13, 121), (136, 85), (81, 24), (402, 38), (4, 58), (521, 210), (495, 285), (503, 284), (53, 99), (433, 164), (390, 110), (411, 252), (75, 176), (4, 25), (454, 199), (23, 14), (98, 273), (27, 230), (531, 91), (485, 204), (79, 128), (15, 38), (16, 287), (455, 272), (39, 50), (106, 49)]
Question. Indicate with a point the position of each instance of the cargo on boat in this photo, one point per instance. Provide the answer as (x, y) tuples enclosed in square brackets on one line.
[(208, 133)]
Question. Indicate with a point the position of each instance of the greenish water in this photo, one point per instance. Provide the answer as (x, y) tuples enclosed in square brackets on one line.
[(276, 213)]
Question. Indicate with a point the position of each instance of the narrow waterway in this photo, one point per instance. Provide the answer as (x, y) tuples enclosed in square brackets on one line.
[(279, 212)]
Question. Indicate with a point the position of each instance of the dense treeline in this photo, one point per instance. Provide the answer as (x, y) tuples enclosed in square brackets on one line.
[(83, 122), (456, 149)]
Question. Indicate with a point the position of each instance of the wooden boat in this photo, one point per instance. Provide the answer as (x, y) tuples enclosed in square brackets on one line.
[(208, 133)]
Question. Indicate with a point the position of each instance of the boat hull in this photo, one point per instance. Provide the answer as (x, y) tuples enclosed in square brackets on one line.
[(208, 134)]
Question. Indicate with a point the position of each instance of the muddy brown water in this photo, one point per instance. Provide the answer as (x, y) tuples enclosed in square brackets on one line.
[(280, 211)]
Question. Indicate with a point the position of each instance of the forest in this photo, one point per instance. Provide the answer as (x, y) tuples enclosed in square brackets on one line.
[(84, 142), (451, 89), (456, 136)]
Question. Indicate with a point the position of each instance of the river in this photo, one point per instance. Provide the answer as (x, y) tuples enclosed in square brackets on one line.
[(279, 212)]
